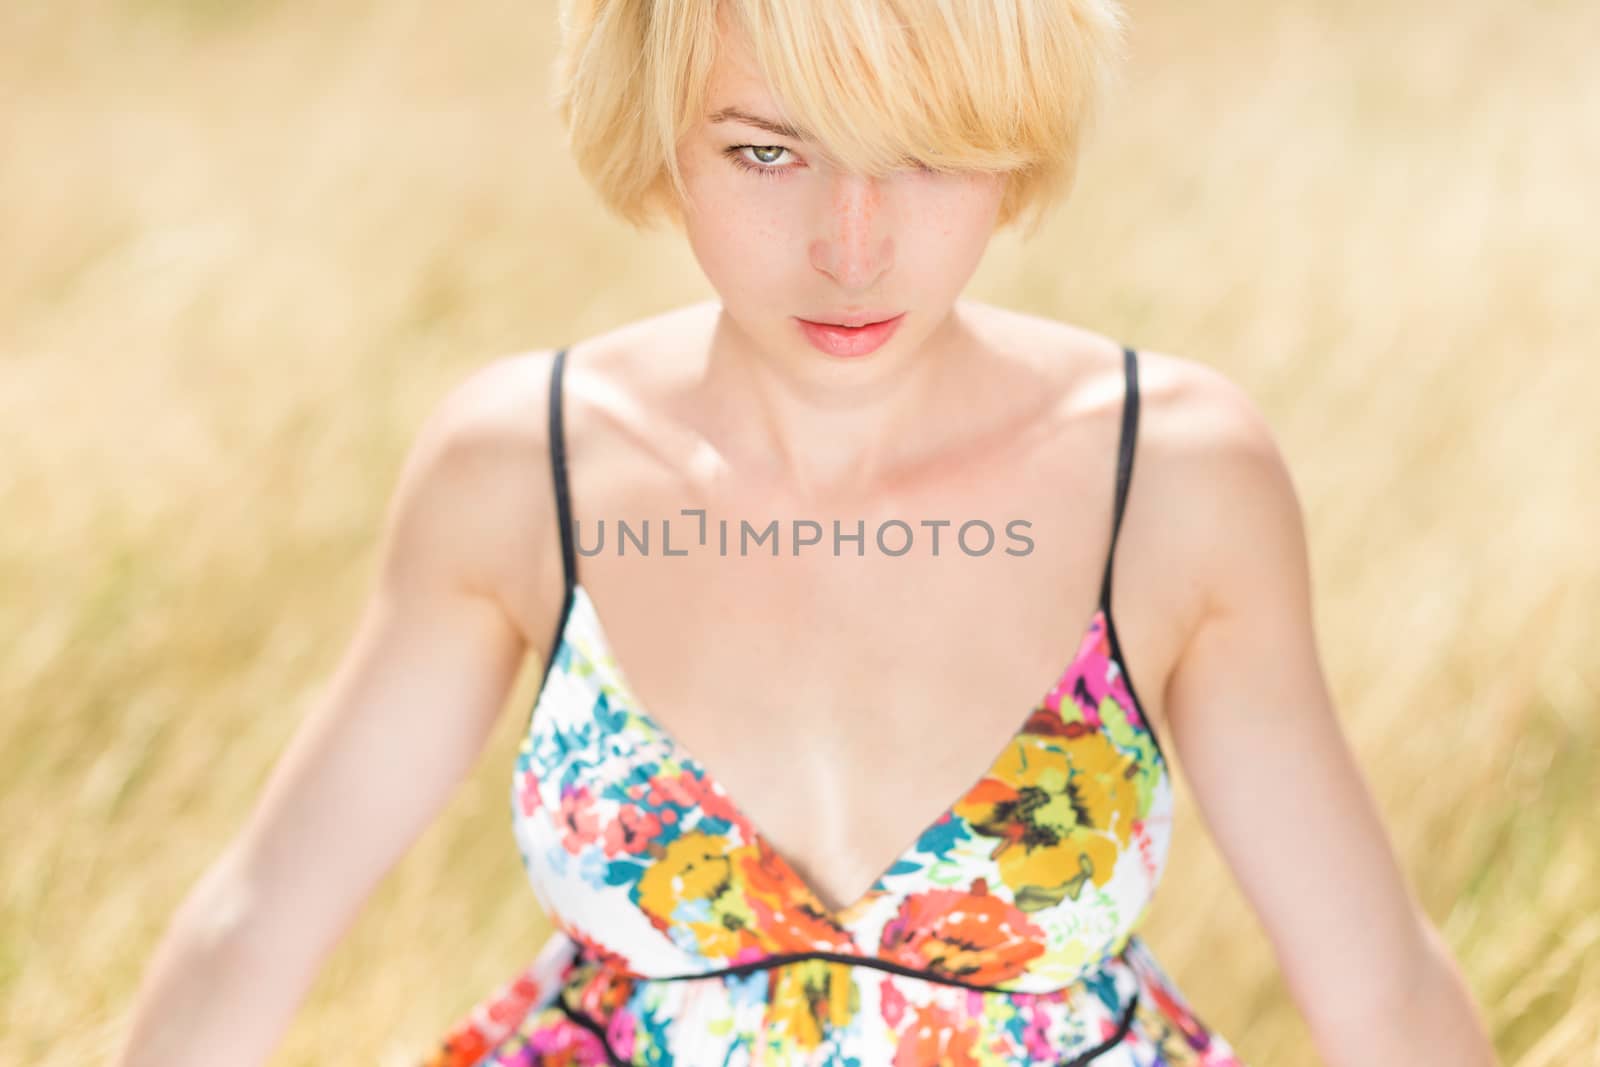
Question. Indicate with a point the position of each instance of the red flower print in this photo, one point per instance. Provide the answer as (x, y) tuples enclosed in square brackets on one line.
[(692, 793), (632, 832), (937, 1035), (786, 910), (974, 936)]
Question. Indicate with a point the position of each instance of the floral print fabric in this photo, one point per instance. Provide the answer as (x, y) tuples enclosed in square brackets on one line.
[(1004, 935)]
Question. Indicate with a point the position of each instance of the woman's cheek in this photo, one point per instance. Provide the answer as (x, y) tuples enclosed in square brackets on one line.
[(756, 226)]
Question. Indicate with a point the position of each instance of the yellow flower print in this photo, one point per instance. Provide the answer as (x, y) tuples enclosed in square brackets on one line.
[(700, 868), (693, 867), (1062, 808), (809, 998)]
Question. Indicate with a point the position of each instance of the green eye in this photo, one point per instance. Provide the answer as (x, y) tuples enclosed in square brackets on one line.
[(762, 155)]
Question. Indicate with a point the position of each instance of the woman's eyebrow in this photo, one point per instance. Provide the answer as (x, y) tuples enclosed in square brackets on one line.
[(781, 129)]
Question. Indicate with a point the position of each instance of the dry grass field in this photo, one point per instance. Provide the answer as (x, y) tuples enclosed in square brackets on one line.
[(246, 246)]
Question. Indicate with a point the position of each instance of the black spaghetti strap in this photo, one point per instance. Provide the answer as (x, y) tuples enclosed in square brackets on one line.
[(558, 470), (569, 556), (1125, 447)]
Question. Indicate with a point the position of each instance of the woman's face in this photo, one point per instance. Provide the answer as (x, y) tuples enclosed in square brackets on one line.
[(783, 235)]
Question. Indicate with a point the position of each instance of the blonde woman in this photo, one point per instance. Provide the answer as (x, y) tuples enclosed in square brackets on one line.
[(854, 759)]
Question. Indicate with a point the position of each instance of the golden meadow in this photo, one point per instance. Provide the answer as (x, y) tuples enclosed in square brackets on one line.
[(245, 247)]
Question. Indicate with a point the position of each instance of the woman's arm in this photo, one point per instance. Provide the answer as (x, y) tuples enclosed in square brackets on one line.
[(401, 723), (1275, 780)]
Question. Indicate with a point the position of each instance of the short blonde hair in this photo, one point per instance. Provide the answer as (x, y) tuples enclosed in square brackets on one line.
[(1005, 86)]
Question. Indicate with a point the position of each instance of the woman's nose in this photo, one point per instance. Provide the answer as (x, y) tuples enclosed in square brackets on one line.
[(856, 249)]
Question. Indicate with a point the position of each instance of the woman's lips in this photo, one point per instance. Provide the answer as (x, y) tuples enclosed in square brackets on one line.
[(849, 340)]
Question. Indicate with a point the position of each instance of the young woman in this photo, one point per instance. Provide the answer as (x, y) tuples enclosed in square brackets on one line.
[(838, 756)]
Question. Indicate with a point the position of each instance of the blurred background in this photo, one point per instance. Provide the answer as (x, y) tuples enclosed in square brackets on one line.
[(246, 246)]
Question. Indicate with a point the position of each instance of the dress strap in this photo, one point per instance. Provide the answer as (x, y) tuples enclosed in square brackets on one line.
[(1125, 447), (569, 555), (558, 470)]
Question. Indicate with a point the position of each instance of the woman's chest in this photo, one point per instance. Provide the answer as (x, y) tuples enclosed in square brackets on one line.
[(843, 707)]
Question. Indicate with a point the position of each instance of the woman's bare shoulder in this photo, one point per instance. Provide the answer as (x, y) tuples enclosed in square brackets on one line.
[(481, 461), (1210, 462), (1192, 416), (1208, 478), (1208, 430)]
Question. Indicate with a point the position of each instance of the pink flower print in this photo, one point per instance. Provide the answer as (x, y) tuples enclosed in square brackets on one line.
[(892, 1002), (579, 820), (622, 1033), (1087, 681), (528, 792), (1036, 1035)]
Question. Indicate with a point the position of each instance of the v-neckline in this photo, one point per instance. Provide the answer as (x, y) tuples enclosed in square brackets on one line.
[(841, 917)]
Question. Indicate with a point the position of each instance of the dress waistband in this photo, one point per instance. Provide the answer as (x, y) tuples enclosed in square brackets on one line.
[(741, 970), (586, 957)]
